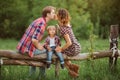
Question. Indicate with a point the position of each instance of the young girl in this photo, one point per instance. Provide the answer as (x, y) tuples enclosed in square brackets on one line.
[(53, 41), (71, 47)]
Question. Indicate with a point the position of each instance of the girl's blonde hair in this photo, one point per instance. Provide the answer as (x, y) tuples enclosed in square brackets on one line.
[(50, 27), (63, 16)]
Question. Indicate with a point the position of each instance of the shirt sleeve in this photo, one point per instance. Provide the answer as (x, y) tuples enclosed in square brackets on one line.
[(38, 31), (46, 43), (59, 42), (63, 31)]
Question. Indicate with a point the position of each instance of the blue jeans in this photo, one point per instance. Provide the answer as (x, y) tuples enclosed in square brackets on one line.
[(58, 54), (33, 69)]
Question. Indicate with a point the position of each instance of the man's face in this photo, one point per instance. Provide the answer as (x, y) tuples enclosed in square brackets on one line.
[(52, 14)]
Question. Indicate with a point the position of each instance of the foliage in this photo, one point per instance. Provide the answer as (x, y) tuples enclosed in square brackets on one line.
[(16, 15), (104, 13)]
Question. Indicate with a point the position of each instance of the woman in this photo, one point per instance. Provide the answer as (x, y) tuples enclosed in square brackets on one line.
[(71, 47)]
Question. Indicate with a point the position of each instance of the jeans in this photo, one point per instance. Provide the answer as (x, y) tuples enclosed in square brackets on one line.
[(58, 54), (33, 69)]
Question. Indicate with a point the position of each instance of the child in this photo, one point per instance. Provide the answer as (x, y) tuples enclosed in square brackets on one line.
[(53, 41)]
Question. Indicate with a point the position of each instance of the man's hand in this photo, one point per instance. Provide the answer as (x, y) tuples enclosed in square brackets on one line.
[(40, 47), (37, 44)]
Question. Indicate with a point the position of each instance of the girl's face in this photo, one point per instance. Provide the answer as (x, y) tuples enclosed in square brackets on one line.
[(52, 31)]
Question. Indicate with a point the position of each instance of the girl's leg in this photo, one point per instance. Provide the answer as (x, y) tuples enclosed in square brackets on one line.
[(49, 58), (60, 57)]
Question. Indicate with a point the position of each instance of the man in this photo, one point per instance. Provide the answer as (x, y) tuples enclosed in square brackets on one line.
[(30, 42)]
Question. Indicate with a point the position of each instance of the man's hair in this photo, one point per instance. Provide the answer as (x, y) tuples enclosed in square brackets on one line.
[(47, 9)]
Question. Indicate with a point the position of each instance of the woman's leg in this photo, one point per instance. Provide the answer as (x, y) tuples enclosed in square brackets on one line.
[(72, 68)]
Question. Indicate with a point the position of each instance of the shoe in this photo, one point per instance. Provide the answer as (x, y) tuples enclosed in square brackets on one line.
[(73, 74), (48, 65), (74, 67), (62, 66)]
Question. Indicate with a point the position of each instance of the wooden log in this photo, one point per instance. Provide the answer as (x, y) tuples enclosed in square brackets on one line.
[(95, 55), (14, 55), (83, 56), (22, 62)]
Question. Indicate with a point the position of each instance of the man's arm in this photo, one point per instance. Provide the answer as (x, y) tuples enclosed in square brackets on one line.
[(37, 44)]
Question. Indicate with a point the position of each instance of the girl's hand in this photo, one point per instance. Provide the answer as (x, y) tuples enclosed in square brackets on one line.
[(58, 49), (48, 48)]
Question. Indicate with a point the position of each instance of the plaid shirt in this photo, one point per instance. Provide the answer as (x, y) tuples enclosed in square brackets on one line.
[(35, 30), (57, 41)]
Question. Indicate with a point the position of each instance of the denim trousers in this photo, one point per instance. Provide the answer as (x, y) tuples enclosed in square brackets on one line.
[(41, 69), (58, 54)]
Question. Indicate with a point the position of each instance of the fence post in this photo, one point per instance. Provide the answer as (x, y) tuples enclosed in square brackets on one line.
[(114, 31), (57, 67)]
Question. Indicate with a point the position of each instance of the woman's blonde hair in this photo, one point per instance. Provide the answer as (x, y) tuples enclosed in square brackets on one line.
[(63, 16)]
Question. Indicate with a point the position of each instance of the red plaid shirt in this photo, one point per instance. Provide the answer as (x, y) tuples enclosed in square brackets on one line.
[(35, 30)]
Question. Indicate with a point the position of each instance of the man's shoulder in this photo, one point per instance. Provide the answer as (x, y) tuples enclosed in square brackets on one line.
[(39, 21)]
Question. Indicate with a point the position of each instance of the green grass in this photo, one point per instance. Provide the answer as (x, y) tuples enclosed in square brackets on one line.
[(89, 70)]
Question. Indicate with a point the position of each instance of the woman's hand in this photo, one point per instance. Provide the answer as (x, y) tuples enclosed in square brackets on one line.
[(58, 49)]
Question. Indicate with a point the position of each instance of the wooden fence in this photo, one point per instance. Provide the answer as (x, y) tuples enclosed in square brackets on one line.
[(9, 57)]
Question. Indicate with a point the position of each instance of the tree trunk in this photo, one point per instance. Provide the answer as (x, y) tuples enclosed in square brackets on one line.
[(114, 31), (0, 72)]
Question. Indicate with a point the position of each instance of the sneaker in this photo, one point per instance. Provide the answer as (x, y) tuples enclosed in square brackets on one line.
[(62, 66), (48, 65)]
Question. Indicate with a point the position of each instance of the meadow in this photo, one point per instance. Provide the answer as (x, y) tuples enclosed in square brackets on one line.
[(89, 69)]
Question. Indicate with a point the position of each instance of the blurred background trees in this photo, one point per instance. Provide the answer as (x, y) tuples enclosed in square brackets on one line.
[(16, 15)]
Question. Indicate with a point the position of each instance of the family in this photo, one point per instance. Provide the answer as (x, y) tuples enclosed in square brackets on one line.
[(31, 44)]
